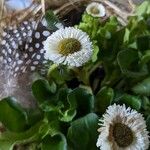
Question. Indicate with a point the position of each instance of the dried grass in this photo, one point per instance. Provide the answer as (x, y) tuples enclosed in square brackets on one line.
[(15, 18), (2, 8)]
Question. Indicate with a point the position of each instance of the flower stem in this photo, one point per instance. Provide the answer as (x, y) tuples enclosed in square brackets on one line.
[(51, 69), (82, 75)]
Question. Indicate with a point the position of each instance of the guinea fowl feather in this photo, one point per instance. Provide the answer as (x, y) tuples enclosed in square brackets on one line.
[(22, 55)]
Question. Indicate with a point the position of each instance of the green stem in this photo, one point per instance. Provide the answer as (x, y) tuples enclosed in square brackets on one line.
[(83, 75), (51, 69), (94, 67)]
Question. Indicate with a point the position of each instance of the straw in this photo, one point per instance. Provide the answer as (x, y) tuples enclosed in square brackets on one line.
[(38, 8)]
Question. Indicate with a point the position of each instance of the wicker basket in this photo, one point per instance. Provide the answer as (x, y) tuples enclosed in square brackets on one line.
[(122, 9)]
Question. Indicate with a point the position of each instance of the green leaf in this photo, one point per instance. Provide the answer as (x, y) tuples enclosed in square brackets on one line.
[(12, 115), (138, 27), (34, 115), (143, 42), (103, 99), (60, 74), (82, 134), (148, 23), (68, 111), (51, 20), (146, 57), (69, 104), (60, 105), (68, 115), (109, 47), (95, 53), (84, 101), (57, 142), (143, 9), (126, 36), (54, 123), (9, 139), (145, 103), (128, 62), (148, 123), (42, 90), (89, 24), (109, 28), (131, 101), (53, 86), (143, 87), (87, 18)]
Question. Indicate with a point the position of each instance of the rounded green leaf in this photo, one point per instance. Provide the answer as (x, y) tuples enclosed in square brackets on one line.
[(57, 142), (143, 42), (60, 74), (142, 88), (103, 99), (131, 101), (82, 134), (9, 139), (12, 115), (84, 101), (42, 90), (146, 57), (68, 109), (128, 62)]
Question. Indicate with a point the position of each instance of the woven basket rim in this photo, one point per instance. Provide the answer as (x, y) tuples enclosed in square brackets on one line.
[(122, 15), (37, 12)]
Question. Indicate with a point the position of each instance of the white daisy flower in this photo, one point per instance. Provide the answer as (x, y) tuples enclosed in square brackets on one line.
[(68, 46), (96, 10), (122, 129)]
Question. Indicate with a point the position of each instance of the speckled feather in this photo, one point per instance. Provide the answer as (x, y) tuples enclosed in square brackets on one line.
[(21, 55)]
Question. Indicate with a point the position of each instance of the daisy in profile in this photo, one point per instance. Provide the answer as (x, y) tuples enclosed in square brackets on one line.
[(96, 10), (68, 46), (122, 129)]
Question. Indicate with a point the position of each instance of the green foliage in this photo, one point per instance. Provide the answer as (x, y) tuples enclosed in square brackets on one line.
[(84, 101), (143, 43), (148, 122), (129, 65), (9, 139), (10, 113), (51, 20), (43, 90), (104, 98), (143, 87), (130, 100), (143, 9), (60, 74), (68, 105), (82, 134), (67, 112), (57, 142), (90, 25)]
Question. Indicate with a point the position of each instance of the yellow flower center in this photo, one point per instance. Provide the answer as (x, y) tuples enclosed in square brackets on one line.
[(94, 10), (69, 46), (122, 135)]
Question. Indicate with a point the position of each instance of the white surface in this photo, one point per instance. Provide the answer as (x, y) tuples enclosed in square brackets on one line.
[(17, 4)]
